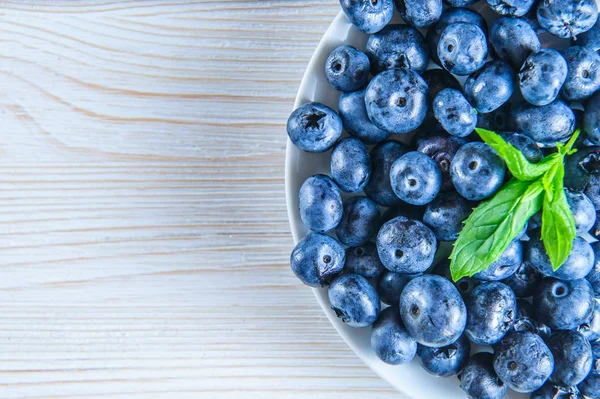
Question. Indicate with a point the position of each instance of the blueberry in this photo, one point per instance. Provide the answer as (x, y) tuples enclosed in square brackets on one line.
[(583, 211), (449, 17), (591, 121), (578, 264), (354, 300), (360, 221), (445, 361), (314, 127), (563, 305), (542, 75), (506, 265), (547, 125), (416, 178), (524, 281), (389, 339), (497, 120), (567, 18), (438, 80), (445, 215), (462, 48), (429, 302), (590, 38), (320, 204), (477, 171), (347, 69), (419, 13), (525, 144), (406, 245), (350, 165), (317, 259), (391, 285), (397, 46), (581, 167), (591, 329), (454, 112), (590, 386), (397, 100), (515, 8), (513, 39), (353, 113), (479, 380), (364, 260), (491, 87), (551, 391), (572, 358), (523, 361), (594, 275), (369, 16), (441, 148), (583, 76), (491, 312), (379, 188)]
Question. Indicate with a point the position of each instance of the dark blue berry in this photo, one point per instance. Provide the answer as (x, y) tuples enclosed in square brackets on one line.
[(314, 127), (354, 300), (389, 339), (360, 221), (415, 178), (317, 259)]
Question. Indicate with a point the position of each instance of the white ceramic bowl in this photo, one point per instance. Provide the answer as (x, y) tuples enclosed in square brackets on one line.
[(410, 379)]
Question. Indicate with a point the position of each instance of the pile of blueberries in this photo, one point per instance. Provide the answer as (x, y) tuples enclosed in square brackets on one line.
[(536, 329)]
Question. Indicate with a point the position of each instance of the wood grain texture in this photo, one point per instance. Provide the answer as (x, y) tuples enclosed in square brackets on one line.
[(144, 240)]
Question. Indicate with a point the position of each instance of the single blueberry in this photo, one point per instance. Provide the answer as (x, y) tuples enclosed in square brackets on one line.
[(572, 358), (350, 165), (441, 148), (583, 211), (477, 171), (542, 75), (547, 125), (454, 112), (491, 87), (506, 265), (317, 259), (389, 339), (590, 38), (567, 18), (563, 305), (445, 361), (416, 178), (496, 121), (397, 46), (581, 167), (449, 17), (583, 76), (491, 312), (406, 245), (391, 284), (525, 144), (368, 16), (364, 260), (360, 221), (594, 275), (347, 69), (591, 329), (513, 39), (433, 311), (397, 100), (515, 8), (445, 215), (479, 380), (419, 13), (462, 48), (590, 386), (314, 127), (578, 264), (551, 391), (524, 281), (465, 285), (523, 361), (591, 121), (438, 80), (353, 113), (354, 300), (379, 188), (320, 204)]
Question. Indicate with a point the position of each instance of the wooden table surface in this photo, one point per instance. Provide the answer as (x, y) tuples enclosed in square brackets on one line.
[(144, 241)]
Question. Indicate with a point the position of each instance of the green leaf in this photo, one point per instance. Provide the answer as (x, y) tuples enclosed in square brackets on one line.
[(516, 162), (558, 223), (493, 225)]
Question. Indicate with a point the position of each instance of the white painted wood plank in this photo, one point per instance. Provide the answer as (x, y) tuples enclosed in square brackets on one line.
[(143, 235)]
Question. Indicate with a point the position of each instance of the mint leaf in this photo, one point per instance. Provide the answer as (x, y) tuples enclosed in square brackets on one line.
[(493, 225), (516, 162)]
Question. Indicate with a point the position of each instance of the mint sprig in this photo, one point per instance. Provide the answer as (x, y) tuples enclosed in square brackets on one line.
[(495, 223)]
